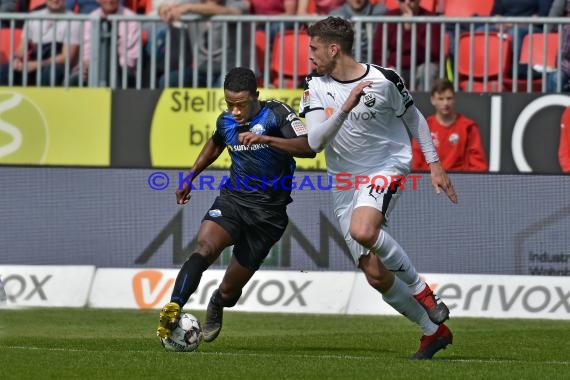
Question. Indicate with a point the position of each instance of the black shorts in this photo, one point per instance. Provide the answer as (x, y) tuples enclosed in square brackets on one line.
[(253, 230)]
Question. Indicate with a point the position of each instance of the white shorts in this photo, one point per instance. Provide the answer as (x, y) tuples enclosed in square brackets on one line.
[(382, 193)]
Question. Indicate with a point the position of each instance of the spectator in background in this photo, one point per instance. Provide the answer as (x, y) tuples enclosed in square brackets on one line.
[(552, 77), (127, 44), (322, 7), (199, 32), (564, 148), (84, 6), (360, 8), (423, 68), (519, 8), (37, 45), (456, 137), (274, 8), (7, 6), (559, 8)]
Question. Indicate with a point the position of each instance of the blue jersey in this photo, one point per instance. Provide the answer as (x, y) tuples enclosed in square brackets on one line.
[(260, 176)]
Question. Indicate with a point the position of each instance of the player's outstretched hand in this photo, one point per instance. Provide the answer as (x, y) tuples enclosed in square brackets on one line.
[(248, 138), (183, 195), (440, 179), (355, 94)]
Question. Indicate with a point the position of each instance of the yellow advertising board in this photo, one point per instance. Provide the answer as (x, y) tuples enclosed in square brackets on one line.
[(184, 119), (53, 126)]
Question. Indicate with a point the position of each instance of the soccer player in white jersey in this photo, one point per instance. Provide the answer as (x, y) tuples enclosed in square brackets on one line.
[(358, 113)]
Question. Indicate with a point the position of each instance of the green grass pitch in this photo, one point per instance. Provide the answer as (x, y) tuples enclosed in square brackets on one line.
[(121, 344)]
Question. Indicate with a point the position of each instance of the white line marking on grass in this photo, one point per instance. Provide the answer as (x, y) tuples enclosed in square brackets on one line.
[(303, 356), (500, 361), (280, 354)]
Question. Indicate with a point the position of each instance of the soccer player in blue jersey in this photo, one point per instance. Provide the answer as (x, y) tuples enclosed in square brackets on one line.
[(251, 211)]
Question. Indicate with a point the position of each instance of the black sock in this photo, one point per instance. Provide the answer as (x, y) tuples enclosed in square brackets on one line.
[(188, 278)]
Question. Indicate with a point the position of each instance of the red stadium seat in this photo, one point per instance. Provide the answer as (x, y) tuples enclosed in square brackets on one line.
[(7, 43), (487, 71), (292, 47), (430, 5), (462, 8), (36, 4), (260, 39), (532, 53), (391, 4)]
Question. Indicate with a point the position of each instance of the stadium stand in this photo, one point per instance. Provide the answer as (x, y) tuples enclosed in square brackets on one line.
[(461, 8), (275, 62), (537, 52), (478, 70), (36, 4), (9, 41), (430, 5), (290, 59)]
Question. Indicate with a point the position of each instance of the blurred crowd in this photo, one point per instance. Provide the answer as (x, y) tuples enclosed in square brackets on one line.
[(414, 49)]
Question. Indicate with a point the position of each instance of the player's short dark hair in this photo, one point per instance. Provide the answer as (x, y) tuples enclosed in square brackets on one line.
[(441, 85), (241, 79), (334, 30)]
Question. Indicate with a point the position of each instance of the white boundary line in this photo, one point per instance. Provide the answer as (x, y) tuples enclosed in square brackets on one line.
[(280, 354)]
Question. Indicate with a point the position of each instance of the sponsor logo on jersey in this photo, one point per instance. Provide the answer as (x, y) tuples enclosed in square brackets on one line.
[(299, 128), (406, 97), (215, 213), (292, 116)]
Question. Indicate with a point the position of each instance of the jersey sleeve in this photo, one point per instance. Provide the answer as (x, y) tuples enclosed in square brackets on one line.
[(395, 92), (476, 159), (289, 123), (217, 136), (310, 100)]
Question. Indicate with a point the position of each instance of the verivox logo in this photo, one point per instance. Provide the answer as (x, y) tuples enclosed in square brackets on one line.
[(149, 287), (24, 135)]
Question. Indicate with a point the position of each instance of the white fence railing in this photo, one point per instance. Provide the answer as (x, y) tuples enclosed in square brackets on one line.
[(486, 54)]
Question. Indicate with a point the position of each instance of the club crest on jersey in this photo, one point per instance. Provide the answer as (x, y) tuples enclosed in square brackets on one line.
[(369, 100), (454, 138), (257, 129)]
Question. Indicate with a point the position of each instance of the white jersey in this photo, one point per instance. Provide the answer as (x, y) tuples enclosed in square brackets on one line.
[(373, 137)]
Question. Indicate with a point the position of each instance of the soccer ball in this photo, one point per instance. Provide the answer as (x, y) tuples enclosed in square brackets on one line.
[(186, 337)]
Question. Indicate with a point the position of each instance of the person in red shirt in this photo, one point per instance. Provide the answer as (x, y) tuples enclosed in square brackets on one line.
[(564, 148), (422, 67), (456, 137)]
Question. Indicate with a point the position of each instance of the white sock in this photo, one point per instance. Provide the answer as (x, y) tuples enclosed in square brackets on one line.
[(400, 298), (396, 260)]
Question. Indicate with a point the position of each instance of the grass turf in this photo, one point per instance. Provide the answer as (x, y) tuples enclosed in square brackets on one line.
[(113, 344)]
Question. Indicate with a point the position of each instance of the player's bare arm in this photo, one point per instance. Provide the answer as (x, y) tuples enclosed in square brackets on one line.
[(296, 147), (440, 179), (210, 152)]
